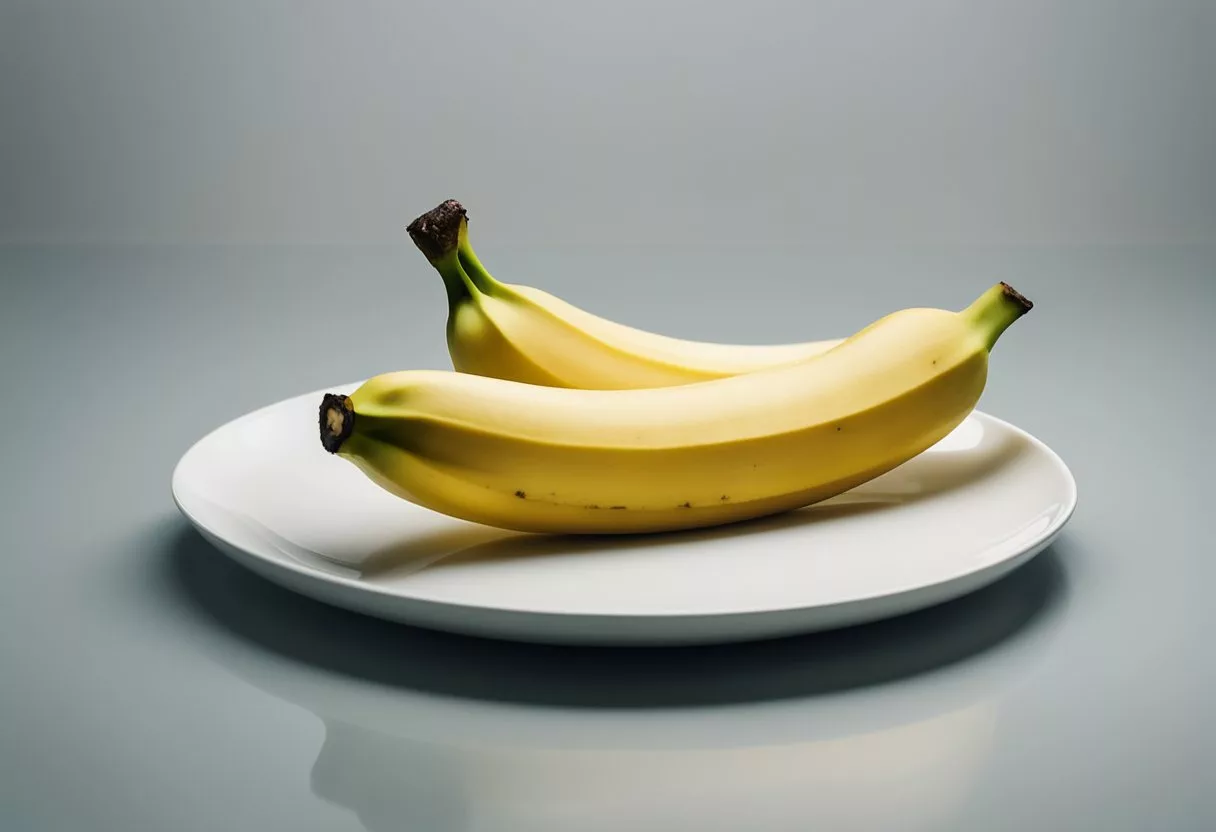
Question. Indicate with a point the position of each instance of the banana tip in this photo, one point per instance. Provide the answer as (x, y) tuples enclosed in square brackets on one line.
[(1017, 297), (437, 232), (337, 421)]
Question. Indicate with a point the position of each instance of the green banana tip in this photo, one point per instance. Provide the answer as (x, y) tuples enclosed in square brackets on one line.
[(437, 232), (1019, 300), (337, 421)]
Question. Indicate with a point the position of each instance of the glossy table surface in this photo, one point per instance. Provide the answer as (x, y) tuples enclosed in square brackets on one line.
[(150, 683)]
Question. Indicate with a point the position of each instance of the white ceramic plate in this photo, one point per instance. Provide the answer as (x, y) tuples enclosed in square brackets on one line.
[(981, 502)]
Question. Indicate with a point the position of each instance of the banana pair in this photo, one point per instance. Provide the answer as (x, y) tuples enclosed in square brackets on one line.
[(561, 421)]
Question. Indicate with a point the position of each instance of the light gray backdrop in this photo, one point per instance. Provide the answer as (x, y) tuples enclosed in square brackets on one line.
[(597, 122)]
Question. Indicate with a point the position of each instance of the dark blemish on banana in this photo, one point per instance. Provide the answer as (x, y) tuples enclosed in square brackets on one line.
[(725, 498), (593, 506), (935, 362), (521, 495), (686, 505), (615, 508)]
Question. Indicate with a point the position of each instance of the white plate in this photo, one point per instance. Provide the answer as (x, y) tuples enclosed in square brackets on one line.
[(981, 502)]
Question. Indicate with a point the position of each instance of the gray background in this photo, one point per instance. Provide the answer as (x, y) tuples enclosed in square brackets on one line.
[(189, 194), (594, 122)]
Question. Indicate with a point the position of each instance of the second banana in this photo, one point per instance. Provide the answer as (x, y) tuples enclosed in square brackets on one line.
[(522, 333)]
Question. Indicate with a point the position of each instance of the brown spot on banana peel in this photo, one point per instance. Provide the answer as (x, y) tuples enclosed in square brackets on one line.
[(616, 508), (523, 495)]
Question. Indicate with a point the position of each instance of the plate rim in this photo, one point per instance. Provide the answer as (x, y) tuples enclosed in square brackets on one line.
[(1018, 556)]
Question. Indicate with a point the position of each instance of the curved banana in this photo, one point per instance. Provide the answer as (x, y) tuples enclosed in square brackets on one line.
[(547, 459), (521, 333)]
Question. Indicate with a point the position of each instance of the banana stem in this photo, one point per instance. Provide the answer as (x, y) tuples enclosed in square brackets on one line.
[(337, 421), (442, 235), (455, 280), (995, 310), (472, 268)]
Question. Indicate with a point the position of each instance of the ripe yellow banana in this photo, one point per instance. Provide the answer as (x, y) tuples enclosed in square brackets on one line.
[(548, 459), (521, 333)]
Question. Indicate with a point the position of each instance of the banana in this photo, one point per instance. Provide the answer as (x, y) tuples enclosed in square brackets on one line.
[(521, 333), (546, 459)]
